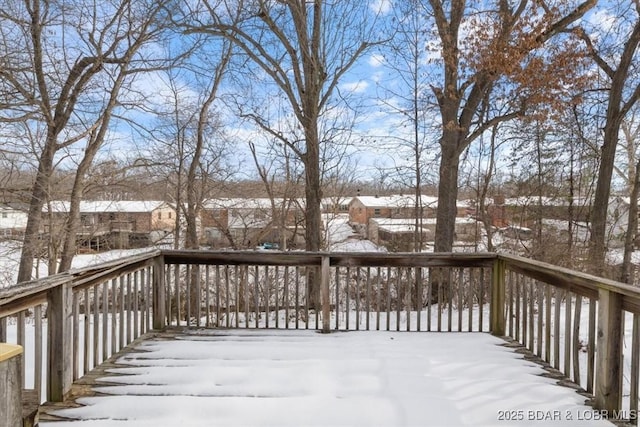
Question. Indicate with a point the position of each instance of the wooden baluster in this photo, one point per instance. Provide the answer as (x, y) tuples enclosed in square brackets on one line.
[(159, 303), (59, 342), (608, 391), (497, 321)]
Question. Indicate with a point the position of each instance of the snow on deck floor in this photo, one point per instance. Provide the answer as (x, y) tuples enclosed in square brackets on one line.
[(302, 378)]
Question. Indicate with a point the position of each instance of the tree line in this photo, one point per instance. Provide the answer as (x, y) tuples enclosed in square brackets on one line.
[(451, 95)]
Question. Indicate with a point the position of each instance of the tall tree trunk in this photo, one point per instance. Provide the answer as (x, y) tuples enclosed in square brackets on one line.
[(597, 246), (462, 92), (617, 109), (96, 140), (445, 217), (447, 198), (418, 212), (571, 209), (39, 196), (483, 192), (626, 275), (313, 219), (72, 223)]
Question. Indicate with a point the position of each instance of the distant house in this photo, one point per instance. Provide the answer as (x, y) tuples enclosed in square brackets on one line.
[(618, 220), (115, 224), (495, 211), (363, 208), (251, 222), (335, 205), (525, 211), (13, 219), (398, 234)]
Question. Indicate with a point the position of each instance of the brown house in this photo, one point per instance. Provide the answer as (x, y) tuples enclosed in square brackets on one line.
[(115, 224), (246, 223), (399, 234), (526, 211), (363, 208), (335, 205), (13, 219)]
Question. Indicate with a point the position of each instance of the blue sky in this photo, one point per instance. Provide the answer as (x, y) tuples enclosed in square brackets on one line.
[(371, 86)]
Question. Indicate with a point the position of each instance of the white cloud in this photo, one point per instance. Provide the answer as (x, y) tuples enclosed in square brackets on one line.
[(602, 19), (377, 77), (380, 6), (355, 87), (376, 60)]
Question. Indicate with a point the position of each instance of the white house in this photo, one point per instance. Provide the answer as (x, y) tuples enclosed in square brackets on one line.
[(13, 219)]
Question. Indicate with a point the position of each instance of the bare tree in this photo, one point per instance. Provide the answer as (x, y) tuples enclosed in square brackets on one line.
[(631, 235), (484, 186), (623, 92), (630, 142), (141, 25), (189, 147), (305, 47), (405, 97), (278, 172), (69, 54), (482, 50), (204, 130)]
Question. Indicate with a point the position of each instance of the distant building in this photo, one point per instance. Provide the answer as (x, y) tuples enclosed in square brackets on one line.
[(525, 211), (115, 224), (363, 208), (335, 205), (367, 215), (252, 222), (13, 219), (398, 234)]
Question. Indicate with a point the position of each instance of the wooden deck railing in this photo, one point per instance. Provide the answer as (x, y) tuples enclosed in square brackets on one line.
[(353, 291), (585, 326), (71, 323)]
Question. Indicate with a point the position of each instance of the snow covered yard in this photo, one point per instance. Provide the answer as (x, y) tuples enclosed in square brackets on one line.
[(302, 378)]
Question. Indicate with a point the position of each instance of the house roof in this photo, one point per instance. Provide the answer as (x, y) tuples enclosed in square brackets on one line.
[(393, 222), (249, 203), (395, 201), (338, 200), (100, 206), (543, 201), (14, 207), (399, 228)]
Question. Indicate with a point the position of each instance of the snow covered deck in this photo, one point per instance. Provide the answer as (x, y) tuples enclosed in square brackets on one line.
[(303, 378)]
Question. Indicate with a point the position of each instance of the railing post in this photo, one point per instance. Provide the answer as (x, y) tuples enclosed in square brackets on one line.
[(159, 302), (59, 342), (608, 391), (11, 390), (325, 272), (497, 323)]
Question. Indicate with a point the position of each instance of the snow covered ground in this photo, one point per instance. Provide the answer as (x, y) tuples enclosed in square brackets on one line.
[(302, 378), (10, 259), (340, 238)]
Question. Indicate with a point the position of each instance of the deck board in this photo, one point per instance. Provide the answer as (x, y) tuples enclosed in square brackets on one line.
[(260, 377)]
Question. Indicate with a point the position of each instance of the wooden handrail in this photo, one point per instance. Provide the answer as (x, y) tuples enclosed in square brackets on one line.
[(28, 294), (613, 300), (575, 281), (149, 290)]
